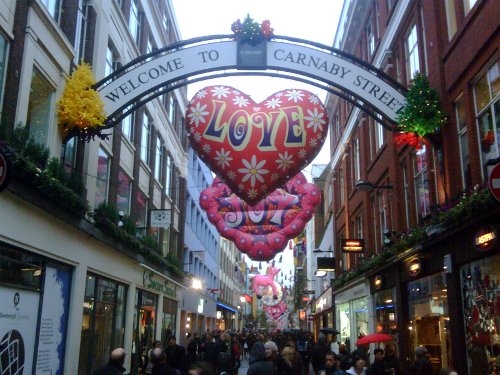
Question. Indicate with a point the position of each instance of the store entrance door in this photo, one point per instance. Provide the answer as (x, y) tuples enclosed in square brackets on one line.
[(430, 331)]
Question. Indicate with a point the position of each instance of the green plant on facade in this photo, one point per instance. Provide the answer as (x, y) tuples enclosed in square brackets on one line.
[(467, 208)]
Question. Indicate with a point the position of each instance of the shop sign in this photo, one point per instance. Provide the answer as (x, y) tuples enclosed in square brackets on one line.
[(414, 267), (308, 292), (160, 218), (352, 245), (302, 315), (165, 287), (5, 171), (324, 302), (486, 238), (147, 300)]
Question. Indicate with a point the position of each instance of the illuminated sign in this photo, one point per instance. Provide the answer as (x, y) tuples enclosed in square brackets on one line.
[(324, 302), (352, 245), (414, 267), (486, 238), (377, 282)]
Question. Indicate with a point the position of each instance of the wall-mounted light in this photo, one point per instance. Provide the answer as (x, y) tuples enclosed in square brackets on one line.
[(414, 267), (377, 282), (197, 284)]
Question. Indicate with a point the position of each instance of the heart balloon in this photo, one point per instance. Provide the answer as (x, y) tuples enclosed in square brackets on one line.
[(256, 147), (263, 230)]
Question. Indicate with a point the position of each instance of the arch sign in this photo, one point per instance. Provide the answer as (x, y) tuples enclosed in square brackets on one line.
[(194, 60)]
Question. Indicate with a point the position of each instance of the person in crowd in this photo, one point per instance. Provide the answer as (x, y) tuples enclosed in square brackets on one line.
[(191, 354), (114, 365), (147, 368), (159, 361), (304, 345), (378, 365), (287, 366), (344, 357), (319, 352), (223, 364), (259, 363), (447, 371), (392, 362), (296, 358), (279, 364), (358, 367), (210, 349), (235, 354), (201, 368), (334, 344), (422, 365), (175, 355), (331, 366)]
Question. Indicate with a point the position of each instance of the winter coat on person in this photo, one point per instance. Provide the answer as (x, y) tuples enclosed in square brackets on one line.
[(318, 353), (422, 366), (110, 368), (163, 369), (210, 350), (259, 364)]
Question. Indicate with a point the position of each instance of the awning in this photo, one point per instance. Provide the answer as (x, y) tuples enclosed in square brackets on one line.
[(220, 304)]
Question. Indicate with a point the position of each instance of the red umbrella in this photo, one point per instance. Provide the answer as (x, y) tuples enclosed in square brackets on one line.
[(374, 337)]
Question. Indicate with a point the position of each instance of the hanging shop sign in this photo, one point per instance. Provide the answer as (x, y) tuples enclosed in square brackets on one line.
[(352, 245), (486, 238), (414, 267), (5, 171), (324, 302), (160, 218), (162, 286)]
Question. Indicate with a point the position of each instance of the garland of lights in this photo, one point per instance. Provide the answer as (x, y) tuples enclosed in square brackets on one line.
[(422, 114), (249, 31)]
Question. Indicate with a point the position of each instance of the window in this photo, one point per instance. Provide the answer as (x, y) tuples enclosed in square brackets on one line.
[(128, 125), (358, 227), (406, 192), (68, 154), (341, 188), (487, 107), (412, 56), (102, 180), (54, 8), (463, 143), (145, 138), (103, 323), (370, 39), (141, 219), (171, 108), (111, 60), (133, 22), (158, 158), (39, 108), (168, 175), (378, 136), (385, 312), (124, 192), (451, 17), (356, 166), (3, 65), (382, 216), (468, 4), (422, 182)]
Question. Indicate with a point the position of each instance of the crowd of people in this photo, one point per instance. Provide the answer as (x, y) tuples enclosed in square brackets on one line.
[(272, 352)]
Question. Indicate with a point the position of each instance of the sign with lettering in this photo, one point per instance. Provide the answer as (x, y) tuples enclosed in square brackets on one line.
[(161, 286), (352, 245), (160, 218), (141, 77), (486, 238)]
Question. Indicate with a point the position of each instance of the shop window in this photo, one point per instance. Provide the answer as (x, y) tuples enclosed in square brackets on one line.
[(429, 319), (487, 105), (412, 55), (144, 325), (124, 192), (102, 180), (169, 318), (39, 108), (480, 292), (385, 312), (103, 323), (422, 195), (463, 143), (360, 310), (344, 319), (20, 269)]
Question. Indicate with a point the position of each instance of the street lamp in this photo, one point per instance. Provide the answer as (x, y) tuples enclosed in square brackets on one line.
[(368, 187), (197, 284)]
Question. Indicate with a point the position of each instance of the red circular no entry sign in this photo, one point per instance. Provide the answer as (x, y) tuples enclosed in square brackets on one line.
[(494, 181)]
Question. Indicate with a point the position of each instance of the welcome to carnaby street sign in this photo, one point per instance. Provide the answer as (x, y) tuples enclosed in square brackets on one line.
[(335, 71)]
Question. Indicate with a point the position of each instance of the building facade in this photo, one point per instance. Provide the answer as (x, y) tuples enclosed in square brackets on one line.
[(426, 277), (83, 289)]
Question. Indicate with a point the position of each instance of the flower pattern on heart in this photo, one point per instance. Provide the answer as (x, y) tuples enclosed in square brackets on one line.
[(197, 114), (273, 103), (201, 94), (220, 92), (223, 158), (315, 119), (253, 170), (294, 95), (313, 99), (240, 101), (285, 161)]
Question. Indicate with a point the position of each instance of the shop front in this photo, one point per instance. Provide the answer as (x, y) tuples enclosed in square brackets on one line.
[(226, 317), (198, 313), (323, 312), (352, 318)]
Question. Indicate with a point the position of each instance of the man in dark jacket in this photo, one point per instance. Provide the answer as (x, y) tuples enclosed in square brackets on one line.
[(175, 355), (114, 365), (160, 367), (210, 349), (259, 363), (378, 366), (422, 365), (318, 354)]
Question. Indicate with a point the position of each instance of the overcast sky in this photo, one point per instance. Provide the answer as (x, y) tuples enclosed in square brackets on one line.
[(314, 20)]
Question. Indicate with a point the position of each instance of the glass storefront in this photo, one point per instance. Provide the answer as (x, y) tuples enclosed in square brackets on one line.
[(385, 312), (144, 325), (480, 282), (344, 319), (169, 319), (429, 319), (103, 323), (360, 308)]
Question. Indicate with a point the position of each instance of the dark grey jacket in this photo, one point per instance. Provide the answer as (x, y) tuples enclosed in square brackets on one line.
[(259, 364)]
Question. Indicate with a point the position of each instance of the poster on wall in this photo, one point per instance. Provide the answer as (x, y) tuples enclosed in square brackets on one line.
[(53, 322), (18, 319)]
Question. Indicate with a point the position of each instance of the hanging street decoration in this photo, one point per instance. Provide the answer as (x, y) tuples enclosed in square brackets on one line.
[(277, 310), (256, 147), (422, 114), (265, 281), (251, 32), (80, 108), (263, 230)]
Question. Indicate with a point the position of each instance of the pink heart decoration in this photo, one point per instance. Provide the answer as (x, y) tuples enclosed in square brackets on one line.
[(263, 230), (256, 147)]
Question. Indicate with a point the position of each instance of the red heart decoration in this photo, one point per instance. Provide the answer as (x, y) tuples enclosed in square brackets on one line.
[(263, 230), (256, 148)]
